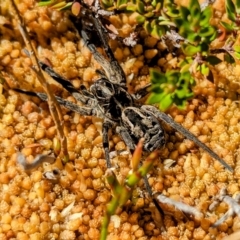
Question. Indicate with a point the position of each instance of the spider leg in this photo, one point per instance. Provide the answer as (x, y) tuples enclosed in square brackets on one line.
[(79, 96), (150, 192), (126, 137), (106, 126), (98, 57), (69, 105), (111, 67), (118, 72), (102, 34), (185, 133)]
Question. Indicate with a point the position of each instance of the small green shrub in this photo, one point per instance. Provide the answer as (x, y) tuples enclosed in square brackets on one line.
[(169, 88), (123, 192)]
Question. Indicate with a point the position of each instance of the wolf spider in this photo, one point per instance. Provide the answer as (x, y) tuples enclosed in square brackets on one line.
[(109, 99)]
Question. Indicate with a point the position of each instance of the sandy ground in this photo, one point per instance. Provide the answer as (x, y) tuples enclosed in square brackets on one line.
[(32, 207)]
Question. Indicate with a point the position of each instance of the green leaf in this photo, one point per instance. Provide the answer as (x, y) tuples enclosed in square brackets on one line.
[(172, 77), (238, 6), (154, 22), (131, 8), (182, 25), (155, 2), (230, 6), (121, 2), (213, 37), (229, 58), (140, 7), (181, 103), (204, 69), (149, 9), (121, 7), (158, 7), (172, 12), (191, 50), (66, 7), (155, 98), (170, 87), (231, 11), (204, 46), (157, 77), (227, 26), (236, 48), (107, 3), (181, 93), (166, 102), (184, 13), (184, 62), (195, 15), (59, 6), (205, 32), (213, 60), (140, 19), (147, 26), (185, 75), (194, 7), (185, 67), (157, 88), (237, 55), (192, 37), (205, 17), (158, 31), (45, 3), (192, 81), (167, 23), (149, 14)]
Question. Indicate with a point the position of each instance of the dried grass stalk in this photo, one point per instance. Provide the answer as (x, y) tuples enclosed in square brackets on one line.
[(54, 107)]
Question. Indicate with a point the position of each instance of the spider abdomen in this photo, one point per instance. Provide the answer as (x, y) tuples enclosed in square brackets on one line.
[(142, 124)]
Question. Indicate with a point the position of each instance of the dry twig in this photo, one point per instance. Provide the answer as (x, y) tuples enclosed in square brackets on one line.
[(54, 107), (233, 203), (39, 159), (179, 206)]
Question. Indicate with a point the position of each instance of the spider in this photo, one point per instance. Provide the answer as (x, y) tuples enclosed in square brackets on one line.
[(109, 99)]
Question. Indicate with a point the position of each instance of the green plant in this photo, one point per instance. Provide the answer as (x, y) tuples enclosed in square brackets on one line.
[(171, 87), (193, 25), (123, 192), (231, 31), (56, 4), (233, 14), (62, 5)]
